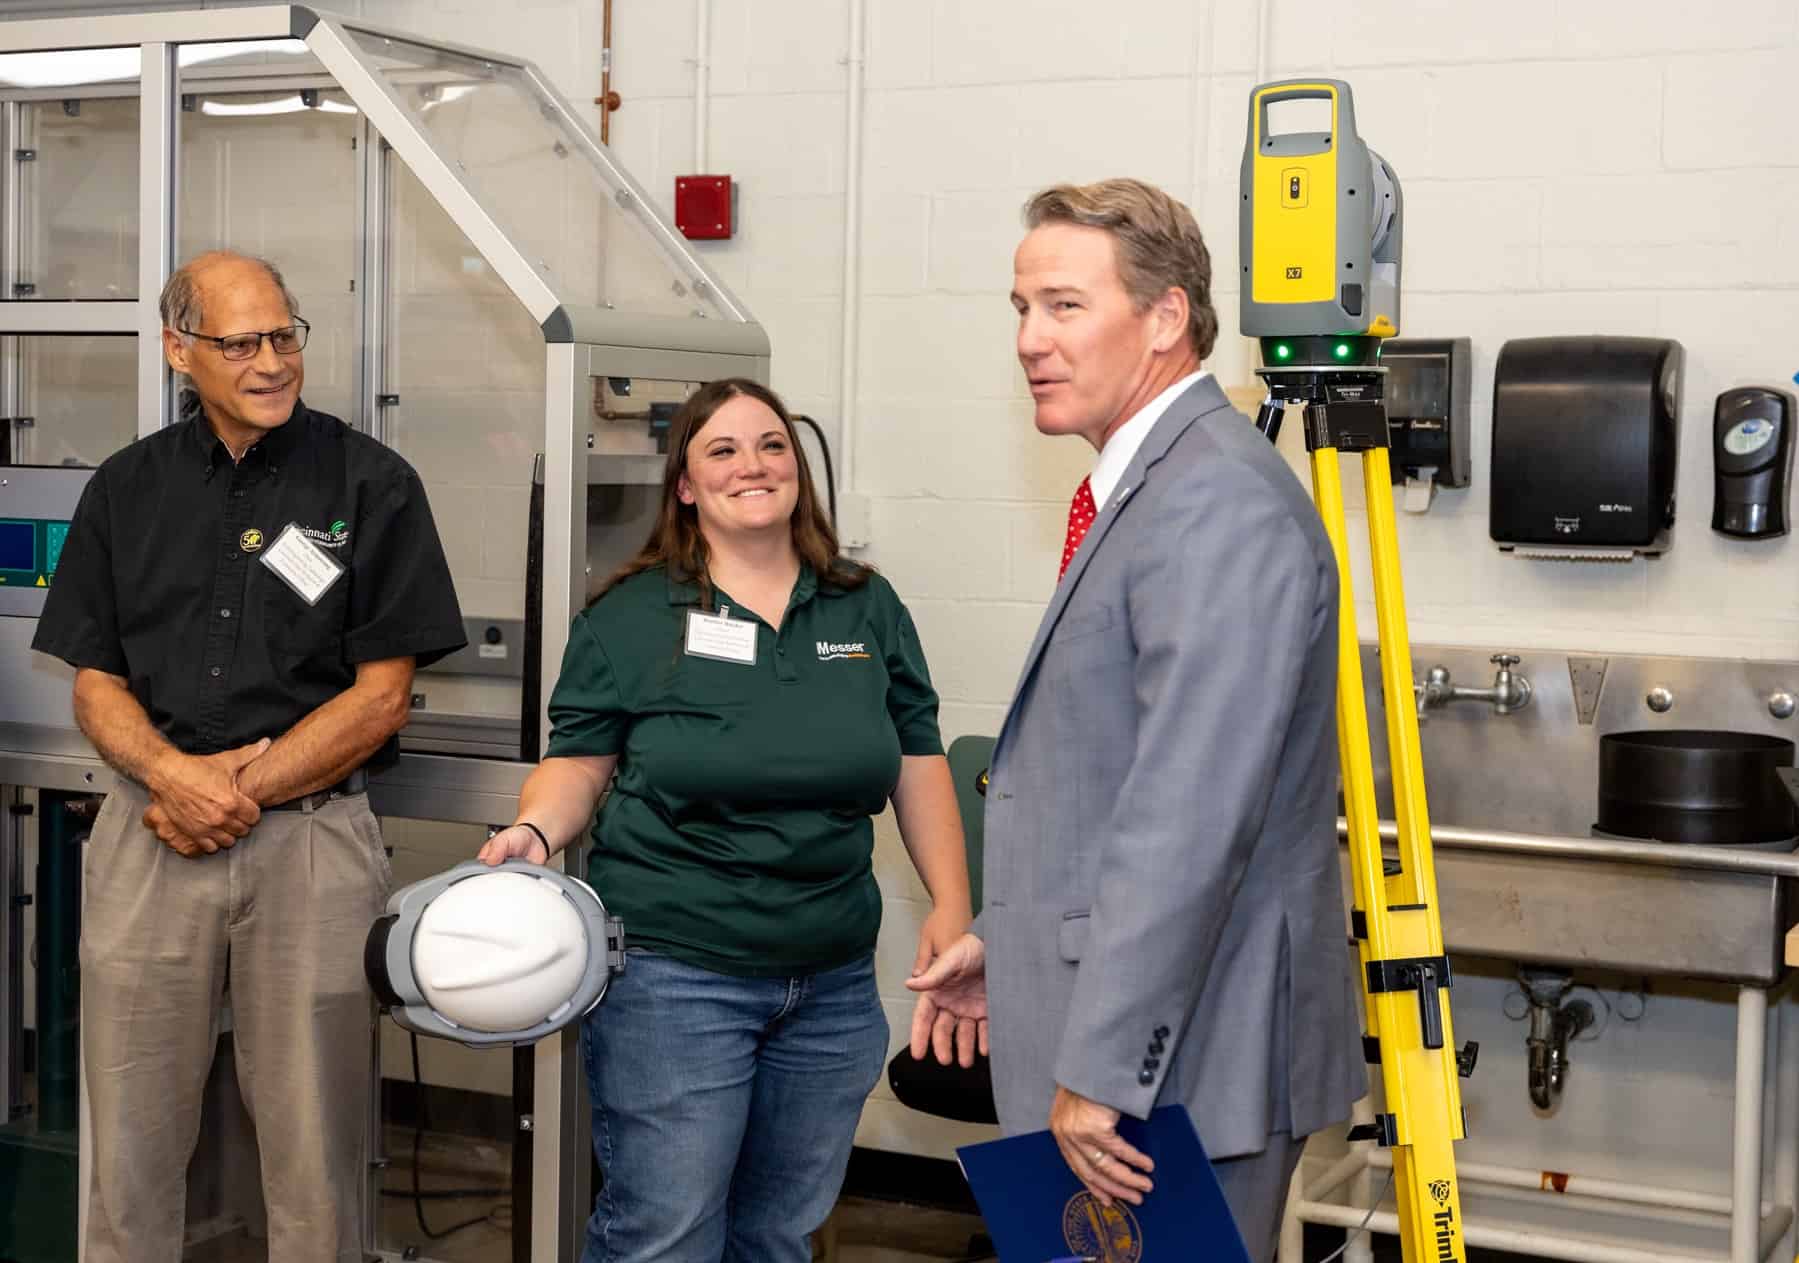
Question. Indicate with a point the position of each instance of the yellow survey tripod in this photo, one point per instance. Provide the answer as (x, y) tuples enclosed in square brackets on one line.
[(1320, 226), (1405, 975)]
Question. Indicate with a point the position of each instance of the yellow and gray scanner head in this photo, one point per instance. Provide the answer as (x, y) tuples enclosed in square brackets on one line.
[(493, 955), (1319, 219)]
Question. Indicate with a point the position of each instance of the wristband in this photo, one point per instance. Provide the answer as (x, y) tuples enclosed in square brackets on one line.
[(547, 852)]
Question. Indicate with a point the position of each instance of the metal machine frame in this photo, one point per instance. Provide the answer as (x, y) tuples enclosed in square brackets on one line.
[(579, 344)]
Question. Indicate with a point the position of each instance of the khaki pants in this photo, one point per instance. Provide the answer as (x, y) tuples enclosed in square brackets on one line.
[(281, 917)]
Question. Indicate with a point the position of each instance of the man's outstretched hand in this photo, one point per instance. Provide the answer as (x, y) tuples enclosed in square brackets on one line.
[(950, 1017)]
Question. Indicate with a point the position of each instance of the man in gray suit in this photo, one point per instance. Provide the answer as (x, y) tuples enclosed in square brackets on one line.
[(1163, 920)]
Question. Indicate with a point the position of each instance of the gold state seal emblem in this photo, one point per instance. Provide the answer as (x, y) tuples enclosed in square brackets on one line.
[(1108, 1233)]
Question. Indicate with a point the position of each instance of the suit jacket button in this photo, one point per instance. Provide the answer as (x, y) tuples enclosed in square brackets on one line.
[(1146, 1077), (1150, 1063), (1161, 1032), (1156, 1048)]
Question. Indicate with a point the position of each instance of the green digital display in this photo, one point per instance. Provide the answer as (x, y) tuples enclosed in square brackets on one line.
[(54, 534), (29, 551)]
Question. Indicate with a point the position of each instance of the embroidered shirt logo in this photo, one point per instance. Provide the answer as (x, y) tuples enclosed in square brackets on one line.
[(831, 651), (336, 536), (250, 540)]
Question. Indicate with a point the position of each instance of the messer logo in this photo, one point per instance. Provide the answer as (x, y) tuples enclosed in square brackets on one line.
[(831, 651)]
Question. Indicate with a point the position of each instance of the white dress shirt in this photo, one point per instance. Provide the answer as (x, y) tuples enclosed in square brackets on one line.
[(1115, 457)]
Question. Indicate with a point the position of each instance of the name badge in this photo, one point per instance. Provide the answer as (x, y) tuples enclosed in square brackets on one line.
[(722, 637), (302, 565)]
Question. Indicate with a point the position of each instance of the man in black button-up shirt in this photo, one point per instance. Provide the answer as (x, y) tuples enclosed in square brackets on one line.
[(244, 596)]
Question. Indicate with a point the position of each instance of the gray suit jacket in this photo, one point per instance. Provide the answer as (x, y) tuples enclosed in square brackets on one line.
[(1163, 920)]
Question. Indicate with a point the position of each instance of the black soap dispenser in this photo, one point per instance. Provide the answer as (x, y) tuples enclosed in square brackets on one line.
[(1752, 462)]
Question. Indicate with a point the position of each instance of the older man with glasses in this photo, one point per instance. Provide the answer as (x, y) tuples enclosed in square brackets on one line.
[(244, 596)]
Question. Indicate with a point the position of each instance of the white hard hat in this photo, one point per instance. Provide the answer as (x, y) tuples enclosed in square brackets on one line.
[(493, 955)]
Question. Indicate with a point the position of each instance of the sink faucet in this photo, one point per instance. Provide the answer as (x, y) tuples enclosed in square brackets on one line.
[(1510, 691)]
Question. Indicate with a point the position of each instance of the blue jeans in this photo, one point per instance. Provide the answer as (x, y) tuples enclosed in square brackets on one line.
[(724, 1108)]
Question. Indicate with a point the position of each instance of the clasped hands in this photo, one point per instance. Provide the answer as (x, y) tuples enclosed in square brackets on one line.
[(196, 806)]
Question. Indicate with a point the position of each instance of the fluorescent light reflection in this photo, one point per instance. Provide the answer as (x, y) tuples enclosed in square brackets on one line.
[(280, 105), (73, 68)]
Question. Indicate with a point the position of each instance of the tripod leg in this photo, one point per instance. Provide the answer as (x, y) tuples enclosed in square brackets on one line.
[(1352, 717), (1410, 811), (1366, 861), (1268, 418), (1404, 974), (1418, 1065)]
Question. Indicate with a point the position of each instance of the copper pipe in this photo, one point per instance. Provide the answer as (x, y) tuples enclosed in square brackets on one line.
[(608, 100)]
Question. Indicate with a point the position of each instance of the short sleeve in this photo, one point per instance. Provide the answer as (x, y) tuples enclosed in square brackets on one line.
[(402, 600), (587, 714), (911, 701), (80, 622)]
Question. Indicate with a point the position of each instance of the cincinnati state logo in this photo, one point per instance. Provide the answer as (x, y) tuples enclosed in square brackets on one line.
[(1109, 1234), (831, 651), (336, 536), (250, 541)]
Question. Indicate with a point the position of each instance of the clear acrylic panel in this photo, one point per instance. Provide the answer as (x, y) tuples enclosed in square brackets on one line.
[(584, 231), (628, 430), (259, 123), (630, 418), (78, 193), (80, 393), (467, 363)]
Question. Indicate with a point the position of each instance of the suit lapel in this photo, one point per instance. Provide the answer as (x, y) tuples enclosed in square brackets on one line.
[(1201, 398)]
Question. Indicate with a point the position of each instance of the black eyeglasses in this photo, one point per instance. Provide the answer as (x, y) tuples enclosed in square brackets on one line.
[(242, 346)]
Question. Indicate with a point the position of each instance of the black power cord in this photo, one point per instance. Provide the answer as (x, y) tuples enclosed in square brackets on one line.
[(830, 472), (420, 1196)]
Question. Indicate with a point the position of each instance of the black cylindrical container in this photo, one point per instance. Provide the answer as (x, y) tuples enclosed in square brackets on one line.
[(1695, 786)]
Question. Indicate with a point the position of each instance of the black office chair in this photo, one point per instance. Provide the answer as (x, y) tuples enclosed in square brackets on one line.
[(952, 1092)]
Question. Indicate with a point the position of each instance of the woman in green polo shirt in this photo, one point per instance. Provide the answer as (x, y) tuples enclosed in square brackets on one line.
[(759, 698)]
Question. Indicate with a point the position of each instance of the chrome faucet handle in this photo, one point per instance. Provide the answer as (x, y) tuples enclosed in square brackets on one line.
[(1433, 690), (1511, 691)]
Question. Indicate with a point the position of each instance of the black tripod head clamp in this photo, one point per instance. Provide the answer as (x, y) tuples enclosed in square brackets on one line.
[(1337, 379)]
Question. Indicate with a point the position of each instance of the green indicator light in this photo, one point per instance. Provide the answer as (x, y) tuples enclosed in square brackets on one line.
[(1282, 351), (1342, 351)]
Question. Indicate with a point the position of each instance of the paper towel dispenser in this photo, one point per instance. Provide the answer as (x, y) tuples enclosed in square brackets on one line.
[(1585, 436), (1427, 414)]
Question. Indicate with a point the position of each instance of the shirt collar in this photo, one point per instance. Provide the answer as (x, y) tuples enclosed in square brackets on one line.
[(272, 448), (683, 591), (1115, 457)]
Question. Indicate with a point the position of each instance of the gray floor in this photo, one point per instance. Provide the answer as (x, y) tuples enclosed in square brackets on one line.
[(861, 1231)]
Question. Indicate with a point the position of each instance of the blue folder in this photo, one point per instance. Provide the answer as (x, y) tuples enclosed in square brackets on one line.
[(1036, 1211)]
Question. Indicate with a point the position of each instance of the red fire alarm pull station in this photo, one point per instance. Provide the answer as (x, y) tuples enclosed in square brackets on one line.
[(703, 207)]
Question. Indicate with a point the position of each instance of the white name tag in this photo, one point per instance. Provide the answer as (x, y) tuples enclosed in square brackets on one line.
[(302, 565), (721, 636)]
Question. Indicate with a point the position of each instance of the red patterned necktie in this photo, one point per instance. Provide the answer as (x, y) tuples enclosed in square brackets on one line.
[(1080, 516)]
